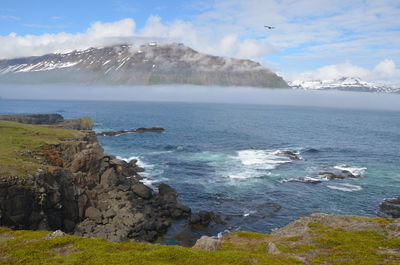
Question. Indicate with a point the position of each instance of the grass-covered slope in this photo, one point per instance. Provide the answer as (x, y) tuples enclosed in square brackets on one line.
[(22, 146), (362, 241)]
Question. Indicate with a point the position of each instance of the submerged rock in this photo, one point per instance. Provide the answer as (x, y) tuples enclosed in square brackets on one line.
[(203, 218)]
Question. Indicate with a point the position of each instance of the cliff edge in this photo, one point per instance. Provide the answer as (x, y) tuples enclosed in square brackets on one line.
[(53, 178)]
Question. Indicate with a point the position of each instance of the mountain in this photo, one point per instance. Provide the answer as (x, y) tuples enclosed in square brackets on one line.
[(146, 64), (344, 83)]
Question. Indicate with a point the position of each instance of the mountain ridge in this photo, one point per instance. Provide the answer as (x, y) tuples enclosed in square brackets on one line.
[(145, 64), (344, 83)]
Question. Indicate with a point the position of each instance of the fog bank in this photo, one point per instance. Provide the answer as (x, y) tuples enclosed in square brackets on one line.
[(243, 95)]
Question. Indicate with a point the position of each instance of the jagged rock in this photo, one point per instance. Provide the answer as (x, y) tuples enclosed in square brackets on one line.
[(390, 207), (208, 243), (142, 190), (93, 214), (109, 177), (89, 193)]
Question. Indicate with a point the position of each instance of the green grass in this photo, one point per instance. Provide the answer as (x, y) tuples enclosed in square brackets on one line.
[(28, 247), (250, 235), (354, 247), (17, 139)]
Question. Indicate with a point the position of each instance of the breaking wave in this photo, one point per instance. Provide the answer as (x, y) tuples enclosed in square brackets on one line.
[(356, 171)]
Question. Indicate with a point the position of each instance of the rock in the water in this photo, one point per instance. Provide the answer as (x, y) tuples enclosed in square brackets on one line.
[(142, 191), (342, 174), (290, 154), (138, 130), (390, 207), (204, 218), (208, 243)]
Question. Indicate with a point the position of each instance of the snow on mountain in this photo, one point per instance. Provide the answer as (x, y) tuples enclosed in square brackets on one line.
[(344, 83)]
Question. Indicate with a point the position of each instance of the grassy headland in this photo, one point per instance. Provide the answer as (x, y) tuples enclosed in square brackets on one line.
[(22, 144)]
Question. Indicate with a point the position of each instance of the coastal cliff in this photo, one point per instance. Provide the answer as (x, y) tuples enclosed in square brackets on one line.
[(52, 178)]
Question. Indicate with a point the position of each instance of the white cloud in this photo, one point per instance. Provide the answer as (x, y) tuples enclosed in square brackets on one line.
[(98, 34), (317, 31)]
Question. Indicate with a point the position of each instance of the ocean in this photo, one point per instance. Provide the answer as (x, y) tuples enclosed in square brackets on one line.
[(228, 158)]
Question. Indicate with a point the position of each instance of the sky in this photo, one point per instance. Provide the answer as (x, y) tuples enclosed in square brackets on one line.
[(312, 39)]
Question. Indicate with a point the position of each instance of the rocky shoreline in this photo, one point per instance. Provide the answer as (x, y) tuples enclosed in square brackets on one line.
[(81, 190)]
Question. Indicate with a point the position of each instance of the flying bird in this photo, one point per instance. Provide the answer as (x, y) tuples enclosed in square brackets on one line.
[(269, 27)]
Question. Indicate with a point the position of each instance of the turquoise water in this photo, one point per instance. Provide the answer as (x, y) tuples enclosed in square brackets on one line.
[(225, 157)]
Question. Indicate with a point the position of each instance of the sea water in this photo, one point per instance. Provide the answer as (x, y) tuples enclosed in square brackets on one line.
[(227, 157)]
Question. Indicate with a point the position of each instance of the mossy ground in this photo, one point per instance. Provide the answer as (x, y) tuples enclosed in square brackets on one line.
[(321, 245), (29, 247), (17, 139)]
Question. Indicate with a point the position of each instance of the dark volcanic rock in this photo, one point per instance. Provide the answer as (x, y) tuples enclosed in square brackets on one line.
[(204, 218), (138, 130), (142, 191), (341, 174), (84, 191), (290, 154), (390, 208)]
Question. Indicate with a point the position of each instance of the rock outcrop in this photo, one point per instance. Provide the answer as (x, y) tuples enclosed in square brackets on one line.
[(208, 243), (390, 208), (81, 190)]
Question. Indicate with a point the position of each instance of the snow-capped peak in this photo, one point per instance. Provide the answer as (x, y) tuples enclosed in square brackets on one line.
[(343, 83)]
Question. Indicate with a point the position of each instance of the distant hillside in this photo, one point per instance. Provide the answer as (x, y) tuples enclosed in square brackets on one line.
[(147, 64), (344, 83)]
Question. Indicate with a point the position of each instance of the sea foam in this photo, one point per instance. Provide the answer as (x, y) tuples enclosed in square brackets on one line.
[(345, 187)]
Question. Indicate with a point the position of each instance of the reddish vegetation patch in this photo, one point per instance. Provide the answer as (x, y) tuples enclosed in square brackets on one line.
[(51, 157)]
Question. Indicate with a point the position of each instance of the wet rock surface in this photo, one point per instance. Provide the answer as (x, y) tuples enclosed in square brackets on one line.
[(390, 208), (291, 155)]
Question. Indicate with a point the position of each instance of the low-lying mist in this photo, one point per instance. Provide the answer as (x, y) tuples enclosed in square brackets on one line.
[(243, 95)]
